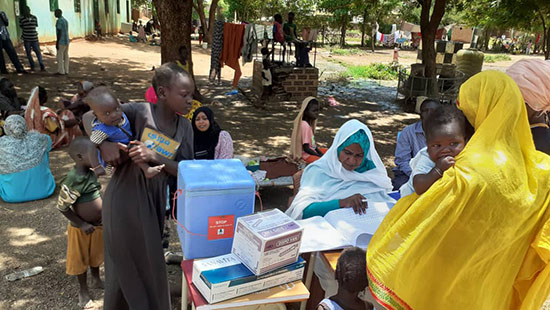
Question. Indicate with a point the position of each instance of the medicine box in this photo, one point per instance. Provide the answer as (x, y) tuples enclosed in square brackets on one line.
[(214, 194), (225, 277), (267, 240)]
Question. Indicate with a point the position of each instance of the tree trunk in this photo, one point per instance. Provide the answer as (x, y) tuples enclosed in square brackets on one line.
[(343, 32), (373, 36), (175, 17), (363, 27), (207, 27), (428, 28), (547, 51)]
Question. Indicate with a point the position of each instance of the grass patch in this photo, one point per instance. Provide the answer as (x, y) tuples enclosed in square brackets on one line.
[(346, 51), (495, 58), (375, 71)]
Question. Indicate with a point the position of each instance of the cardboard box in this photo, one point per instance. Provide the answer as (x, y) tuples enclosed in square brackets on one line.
[(267, 240), (225, 277)]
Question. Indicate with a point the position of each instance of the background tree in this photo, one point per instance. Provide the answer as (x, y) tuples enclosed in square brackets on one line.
[(430, 17), (207, 25)]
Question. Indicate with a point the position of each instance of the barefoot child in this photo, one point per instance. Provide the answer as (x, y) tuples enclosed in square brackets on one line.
[(111, 124), (351, 274), (80, 202), (134, 206), (445, 130)]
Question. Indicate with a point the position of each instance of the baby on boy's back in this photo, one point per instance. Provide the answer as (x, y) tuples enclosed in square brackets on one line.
[(446, 137)]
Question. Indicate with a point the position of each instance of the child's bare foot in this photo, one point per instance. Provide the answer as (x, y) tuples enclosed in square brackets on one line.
[(83, 297), (152, 171)]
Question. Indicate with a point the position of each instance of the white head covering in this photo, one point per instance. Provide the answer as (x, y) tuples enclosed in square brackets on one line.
[(326, 179)]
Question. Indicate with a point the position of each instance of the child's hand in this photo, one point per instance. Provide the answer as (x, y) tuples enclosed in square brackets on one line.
[(445, 163), (87, 228), (139, 153)]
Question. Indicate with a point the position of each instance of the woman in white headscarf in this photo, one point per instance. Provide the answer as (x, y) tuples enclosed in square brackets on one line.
[(349, 173), (24, 163)]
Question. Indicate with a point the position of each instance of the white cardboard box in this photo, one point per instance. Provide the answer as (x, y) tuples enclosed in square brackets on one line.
[(267, 240), (225, 277)]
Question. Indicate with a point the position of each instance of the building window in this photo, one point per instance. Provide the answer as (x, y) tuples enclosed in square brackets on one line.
[(77, 6), (106, 6), (118, 6), (54, 5)]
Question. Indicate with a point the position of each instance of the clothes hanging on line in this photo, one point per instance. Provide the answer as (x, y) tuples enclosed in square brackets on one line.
[(232, 44), (217, 45), (250, 43)]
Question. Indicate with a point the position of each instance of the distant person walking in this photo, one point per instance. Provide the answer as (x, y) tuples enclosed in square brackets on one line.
[(5, 43), (30, 37), (62, 43)]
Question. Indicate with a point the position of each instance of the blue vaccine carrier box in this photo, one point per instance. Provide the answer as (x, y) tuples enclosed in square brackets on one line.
[(214, 194)]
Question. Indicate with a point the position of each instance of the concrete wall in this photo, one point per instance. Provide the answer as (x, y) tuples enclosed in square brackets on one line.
[(80, 23), (299, 83)]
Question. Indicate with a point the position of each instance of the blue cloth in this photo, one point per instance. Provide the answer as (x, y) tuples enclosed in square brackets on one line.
[(4, 33), (361, 138), (12, 54), (320, 208), (27, 185), (120, 134), (409, 143), (63, 26)]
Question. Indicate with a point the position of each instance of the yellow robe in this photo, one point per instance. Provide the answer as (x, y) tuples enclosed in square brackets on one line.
[(479, 238)]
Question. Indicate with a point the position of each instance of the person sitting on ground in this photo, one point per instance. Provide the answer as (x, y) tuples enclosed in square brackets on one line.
[(77, 104), (409, 143), (24, 163), (80, 202), (9, 102), (111, 124), (211, 142), (445, 129), (351, 274), (62, 127), (303, 145), (533, 78), (347, 175)]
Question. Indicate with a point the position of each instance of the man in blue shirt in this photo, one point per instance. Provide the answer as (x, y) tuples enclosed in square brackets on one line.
[(62, 43), (28, 24), (5, 43), (410, 141)]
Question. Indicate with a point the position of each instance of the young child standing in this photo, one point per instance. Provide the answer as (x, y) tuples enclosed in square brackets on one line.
[(267, 80), (351, 274), (445, 130), (80, 202), (111, 124), (303, 139)]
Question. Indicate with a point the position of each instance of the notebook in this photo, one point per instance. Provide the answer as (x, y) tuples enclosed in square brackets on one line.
[(342, 228)]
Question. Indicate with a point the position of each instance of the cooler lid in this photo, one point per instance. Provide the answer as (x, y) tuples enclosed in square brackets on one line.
[(217, 174)]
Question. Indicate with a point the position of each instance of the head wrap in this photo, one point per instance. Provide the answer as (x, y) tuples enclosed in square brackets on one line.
[(326, 179), (361, 138), (533, 79), (205, 142), (296, 145), (21, 150)]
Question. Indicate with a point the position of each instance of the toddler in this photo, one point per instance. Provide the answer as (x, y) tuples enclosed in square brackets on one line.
[(111, 124), (445, 131)]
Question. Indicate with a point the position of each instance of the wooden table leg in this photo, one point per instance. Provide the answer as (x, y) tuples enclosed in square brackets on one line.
[(184, 292), (309, 276)]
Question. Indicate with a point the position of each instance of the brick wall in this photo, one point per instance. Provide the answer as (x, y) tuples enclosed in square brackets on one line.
[(298, 82)]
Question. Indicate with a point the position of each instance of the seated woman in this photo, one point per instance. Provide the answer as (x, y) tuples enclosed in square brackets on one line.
[(62, 128), (9, 102), (479, 238), (24, 163), (210, 142), (349, 173), (303, 145), (533, 78)]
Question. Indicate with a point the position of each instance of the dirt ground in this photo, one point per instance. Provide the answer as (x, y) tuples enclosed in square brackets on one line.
[(34, 233)]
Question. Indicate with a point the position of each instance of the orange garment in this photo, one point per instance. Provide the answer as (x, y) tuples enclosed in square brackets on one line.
[(83, 250), (232, 45), (313, 158)]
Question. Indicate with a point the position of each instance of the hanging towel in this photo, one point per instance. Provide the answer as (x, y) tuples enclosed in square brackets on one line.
[(260, 32), (250, 43), (217, 45), (232, 45)]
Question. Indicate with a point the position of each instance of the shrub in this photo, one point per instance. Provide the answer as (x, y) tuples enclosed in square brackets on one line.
[(495, 58), (375, 71)]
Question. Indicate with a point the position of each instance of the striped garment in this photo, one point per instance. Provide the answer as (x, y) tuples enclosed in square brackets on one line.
[(28, 25)]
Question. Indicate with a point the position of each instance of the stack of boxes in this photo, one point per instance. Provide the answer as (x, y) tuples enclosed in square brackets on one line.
[(258, 251)]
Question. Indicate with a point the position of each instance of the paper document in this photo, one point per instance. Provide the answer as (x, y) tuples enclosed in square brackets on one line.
[(342, 228)]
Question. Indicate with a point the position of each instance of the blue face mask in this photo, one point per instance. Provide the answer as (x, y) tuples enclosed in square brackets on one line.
[(361, 138)]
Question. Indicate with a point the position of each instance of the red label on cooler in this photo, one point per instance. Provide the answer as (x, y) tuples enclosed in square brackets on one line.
[(221, 227)]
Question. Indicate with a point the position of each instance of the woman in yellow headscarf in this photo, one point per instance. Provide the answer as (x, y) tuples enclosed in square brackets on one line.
[(479, 238)]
